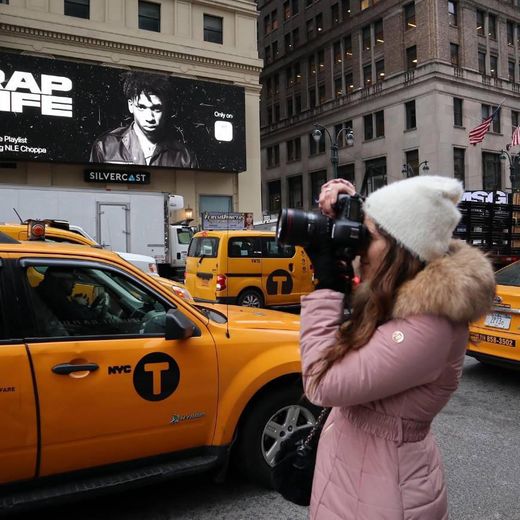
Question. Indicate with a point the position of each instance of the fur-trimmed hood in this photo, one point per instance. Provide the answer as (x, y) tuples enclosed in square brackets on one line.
[(459, 286)]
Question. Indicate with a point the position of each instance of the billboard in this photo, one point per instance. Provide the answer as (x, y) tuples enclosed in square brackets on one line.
[(224, 220), (63, 111)]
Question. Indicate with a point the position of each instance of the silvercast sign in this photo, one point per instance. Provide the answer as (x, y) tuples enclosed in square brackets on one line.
[(117, 177)]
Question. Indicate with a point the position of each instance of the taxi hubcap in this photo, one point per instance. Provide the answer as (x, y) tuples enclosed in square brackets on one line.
[(251, 300), (284, 423)]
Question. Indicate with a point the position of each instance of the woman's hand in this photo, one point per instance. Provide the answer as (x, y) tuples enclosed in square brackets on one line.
[(329, 194)]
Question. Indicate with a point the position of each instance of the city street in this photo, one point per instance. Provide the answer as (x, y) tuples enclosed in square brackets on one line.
[(478, 433)]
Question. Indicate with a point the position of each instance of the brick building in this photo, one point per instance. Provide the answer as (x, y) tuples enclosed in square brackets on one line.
[(410, 78)]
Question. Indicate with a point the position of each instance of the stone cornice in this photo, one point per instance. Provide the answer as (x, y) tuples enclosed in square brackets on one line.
[(40, 34)]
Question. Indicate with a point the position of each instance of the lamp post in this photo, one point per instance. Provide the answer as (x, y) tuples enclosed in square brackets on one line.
[(407, 170), (514, 168), (334, 158)]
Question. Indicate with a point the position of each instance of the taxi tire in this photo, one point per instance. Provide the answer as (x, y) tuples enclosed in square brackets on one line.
[(250, 294), (248, 456)]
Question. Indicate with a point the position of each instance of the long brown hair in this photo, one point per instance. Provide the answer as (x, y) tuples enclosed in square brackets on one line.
[(372, 305)]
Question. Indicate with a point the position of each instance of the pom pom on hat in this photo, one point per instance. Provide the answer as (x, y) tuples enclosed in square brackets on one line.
[(420, 213)]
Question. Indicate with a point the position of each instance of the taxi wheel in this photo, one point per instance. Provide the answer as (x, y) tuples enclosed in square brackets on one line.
[(272, 419), (250, 298)]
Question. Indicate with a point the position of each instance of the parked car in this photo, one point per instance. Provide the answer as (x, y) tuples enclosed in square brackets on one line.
[(247, 268), (108, 379), (495, 338)]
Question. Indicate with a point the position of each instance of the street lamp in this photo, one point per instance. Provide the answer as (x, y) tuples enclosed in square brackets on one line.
[(407, 170), (514, 168), (334, 159)]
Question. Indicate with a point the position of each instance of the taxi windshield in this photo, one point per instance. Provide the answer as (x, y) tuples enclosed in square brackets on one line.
[(509, 275)]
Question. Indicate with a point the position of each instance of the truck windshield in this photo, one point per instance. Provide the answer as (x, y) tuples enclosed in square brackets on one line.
[(184, 235)]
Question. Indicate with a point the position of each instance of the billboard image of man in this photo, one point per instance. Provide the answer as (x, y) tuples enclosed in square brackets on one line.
[(149, 138)]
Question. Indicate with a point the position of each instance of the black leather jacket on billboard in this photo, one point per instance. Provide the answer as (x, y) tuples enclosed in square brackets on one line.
[(122, 146)]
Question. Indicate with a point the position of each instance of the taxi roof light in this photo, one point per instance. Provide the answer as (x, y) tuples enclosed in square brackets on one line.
[(36, 229)]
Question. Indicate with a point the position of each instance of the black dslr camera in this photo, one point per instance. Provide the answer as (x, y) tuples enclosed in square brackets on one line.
[(345, 233)]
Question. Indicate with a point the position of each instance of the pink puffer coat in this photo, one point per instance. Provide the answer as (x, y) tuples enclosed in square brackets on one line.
[(377, 459)]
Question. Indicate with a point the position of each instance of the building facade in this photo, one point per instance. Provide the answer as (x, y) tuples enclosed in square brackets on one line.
[(210, 46), (410, 78)]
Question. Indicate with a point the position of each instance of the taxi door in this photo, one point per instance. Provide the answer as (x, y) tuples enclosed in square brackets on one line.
[(202, 265), (242, 264), (281, 273), (111, 387), (18, 417)]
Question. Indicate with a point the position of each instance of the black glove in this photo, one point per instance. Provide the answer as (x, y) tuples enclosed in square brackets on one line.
[(332, 272)]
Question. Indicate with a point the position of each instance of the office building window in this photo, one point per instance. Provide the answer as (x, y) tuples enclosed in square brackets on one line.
[(149, 16), (458, 163), (334, 14), (452, 12), (457, 112), (454, 54), (349, 82), (412, 163), (213, 29), (295, 191), (274, 194), (345, 9), (515, 119), (347, 46), (511, 68), (379, 33), (77, 8), (410, 119), (367, 75), (380, 70), (374, 125), (409, 16), (510, 33), (364, 4), (294, 149), (411, 58), (317, 180), (492, 26), (343, 128), (375, 174), (338, 88), (493, 65), (491, 172), (367, 38), (482, 62), (273, 156), (481, 31), (488, 110), (347, 171)]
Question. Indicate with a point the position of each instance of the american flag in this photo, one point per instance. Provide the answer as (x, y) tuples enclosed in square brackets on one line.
[(477, 134), (515, 139)]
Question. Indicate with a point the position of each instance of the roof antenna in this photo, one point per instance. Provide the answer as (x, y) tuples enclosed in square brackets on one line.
[(18, 215)]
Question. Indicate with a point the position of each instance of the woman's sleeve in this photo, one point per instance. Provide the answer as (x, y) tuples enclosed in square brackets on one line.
[(400, 355)]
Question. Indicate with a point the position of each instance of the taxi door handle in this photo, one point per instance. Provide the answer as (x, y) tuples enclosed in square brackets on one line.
[(291, 267), (68, 368)]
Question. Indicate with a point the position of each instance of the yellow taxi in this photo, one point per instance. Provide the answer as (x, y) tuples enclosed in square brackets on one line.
[(246, 268), (109, 379), (495, 338)]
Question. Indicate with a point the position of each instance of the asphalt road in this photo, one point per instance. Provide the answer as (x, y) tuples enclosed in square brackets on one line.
[(478, 432)]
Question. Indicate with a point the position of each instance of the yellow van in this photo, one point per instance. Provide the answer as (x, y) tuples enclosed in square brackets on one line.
[(246, 268)]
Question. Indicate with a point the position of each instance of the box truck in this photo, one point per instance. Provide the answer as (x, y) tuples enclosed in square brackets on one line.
[(122, 221)]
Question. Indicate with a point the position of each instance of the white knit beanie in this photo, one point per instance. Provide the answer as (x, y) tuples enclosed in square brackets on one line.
[(420, 213)]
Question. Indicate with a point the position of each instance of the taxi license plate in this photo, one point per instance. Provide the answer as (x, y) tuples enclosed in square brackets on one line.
[(498, 320), (505, 342)]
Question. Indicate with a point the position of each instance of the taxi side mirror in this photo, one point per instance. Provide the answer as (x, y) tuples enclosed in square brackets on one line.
[(179, 327)]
